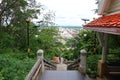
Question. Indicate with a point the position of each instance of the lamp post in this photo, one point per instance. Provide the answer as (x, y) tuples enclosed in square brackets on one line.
[(85, 20), (39, 22), (28, 49)]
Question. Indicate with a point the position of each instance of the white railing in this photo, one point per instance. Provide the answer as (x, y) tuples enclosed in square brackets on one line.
[(80, 63), (37, 69)]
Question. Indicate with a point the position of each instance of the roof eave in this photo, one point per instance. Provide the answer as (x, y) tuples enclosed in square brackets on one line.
[(110, 30)]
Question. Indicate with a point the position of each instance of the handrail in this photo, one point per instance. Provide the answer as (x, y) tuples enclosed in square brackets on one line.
[(74, 65), (49, 64), (80, 63), (69, 62), (39, 66), (113, 68), (35, 70)]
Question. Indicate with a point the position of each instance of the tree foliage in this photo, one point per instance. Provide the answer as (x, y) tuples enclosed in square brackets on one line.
[(84, 40), (46, 40), (13, 15)]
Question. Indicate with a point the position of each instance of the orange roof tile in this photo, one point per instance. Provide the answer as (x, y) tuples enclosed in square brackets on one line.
[(106, 21)]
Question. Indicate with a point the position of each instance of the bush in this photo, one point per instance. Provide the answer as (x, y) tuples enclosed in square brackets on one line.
[(6, 42), (113, 58), (1, 76), (14, 68), (92, 63)]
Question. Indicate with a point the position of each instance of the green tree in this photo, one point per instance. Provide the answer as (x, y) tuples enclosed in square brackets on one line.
[(114, 47), (49, 18), (13, 17), (46, 40), (84, 40), (13, 24), (97, 2)]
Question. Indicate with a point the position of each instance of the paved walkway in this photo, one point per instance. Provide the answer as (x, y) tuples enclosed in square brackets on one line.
[(61, 67)]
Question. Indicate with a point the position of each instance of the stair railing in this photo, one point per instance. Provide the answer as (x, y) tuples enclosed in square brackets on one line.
[(80, 63), (49, 65), (74, 65), (38, 67)]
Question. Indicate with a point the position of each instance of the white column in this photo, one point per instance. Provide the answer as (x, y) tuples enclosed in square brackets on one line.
[(83, 61), (40, 55)]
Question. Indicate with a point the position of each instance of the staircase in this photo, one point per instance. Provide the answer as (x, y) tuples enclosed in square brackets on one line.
[(48, 70)]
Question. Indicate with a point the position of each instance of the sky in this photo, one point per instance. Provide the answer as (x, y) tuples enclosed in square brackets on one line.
[(70, 12)]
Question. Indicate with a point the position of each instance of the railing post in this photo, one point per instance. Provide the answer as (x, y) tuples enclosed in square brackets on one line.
[(40, 55), (82, 66)]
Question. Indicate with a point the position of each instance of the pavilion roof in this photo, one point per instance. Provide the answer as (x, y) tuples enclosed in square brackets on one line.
[(107, 24)]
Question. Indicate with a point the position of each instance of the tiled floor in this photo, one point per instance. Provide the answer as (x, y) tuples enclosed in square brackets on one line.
[(61, 75)]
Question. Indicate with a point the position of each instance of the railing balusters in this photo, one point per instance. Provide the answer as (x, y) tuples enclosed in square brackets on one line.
[(38, 67), (33, 70), (80, 63), (49, 64), (74, 65)]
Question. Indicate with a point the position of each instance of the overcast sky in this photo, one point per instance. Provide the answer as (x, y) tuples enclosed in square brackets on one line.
[(70, 12)]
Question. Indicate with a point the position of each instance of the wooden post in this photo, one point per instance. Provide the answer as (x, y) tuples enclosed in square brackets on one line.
[(102, 68), (105, 48), (103, 39), (82, 66), (102, 65), (40, 55)]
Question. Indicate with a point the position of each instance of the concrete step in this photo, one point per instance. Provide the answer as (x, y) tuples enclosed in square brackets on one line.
[(61, 67)]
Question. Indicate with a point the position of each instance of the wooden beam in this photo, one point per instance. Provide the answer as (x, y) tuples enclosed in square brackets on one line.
[(108, 30), (100, 38)]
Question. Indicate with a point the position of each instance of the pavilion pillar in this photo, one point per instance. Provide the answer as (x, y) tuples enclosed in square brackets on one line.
[(105, 48), (102, 65), (103, 39)]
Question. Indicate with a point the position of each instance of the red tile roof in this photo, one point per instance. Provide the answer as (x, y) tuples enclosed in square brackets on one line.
[(106, 21)]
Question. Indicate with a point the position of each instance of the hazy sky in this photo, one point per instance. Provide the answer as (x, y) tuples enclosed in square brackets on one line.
[(70, 12)]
